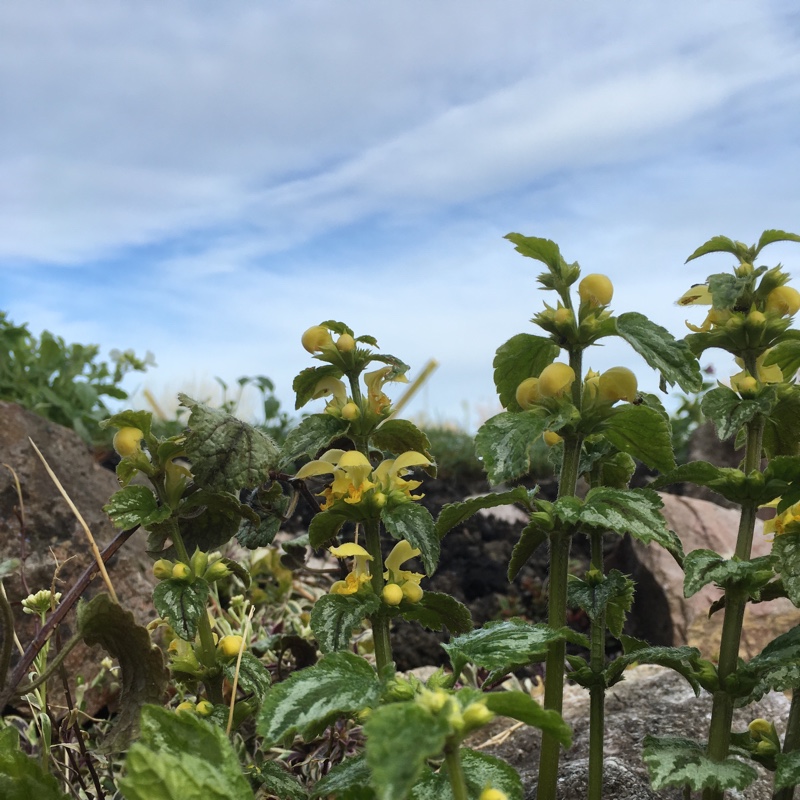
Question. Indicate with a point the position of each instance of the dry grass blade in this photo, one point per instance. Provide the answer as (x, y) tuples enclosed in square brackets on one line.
[(245, 635), (95, 550)]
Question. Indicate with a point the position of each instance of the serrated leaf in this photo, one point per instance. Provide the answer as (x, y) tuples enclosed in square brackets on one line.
[(544, 250), (130, 419), (453, 514), (726, 289), (676, 761), (135, 505), (729, 412), (397, 761), (522, 356), (181, 604), (532, 537), (643, 433), (726, 481), (504, 443), (679, 659), (782, 429), (720, 244), (414, 523), (254, 677), (323, 527), (770, 236), (702, 567), (182, 757), (594, 597), (253, 536), (335, 617), (777, 667), (521, 706), (339, 684), (480, 771), (633, 511), (786, 355), (501, 646), (21, 777), (348, 780), (788, 769), (670, 357), (279, 782), (400, 436), (226, 453), (436, 611), (306, 382), (786, 549), (314, 433), (144, 675)]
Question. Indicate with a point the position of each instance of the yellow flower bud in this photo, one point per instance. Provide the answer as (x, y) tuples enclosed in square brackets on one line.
[(229, 646), (759, 727), (181, 571), (162, 569), (755, 319), (551, 438), (392, 594), (746, 386), (199, 562), (556, 380), (528, 393), (350, 411), (618, 383), (185, 706), (492, 794), (596, 290), (783, 301), (216, 571), (412, 592), (563, 316), (345, 343), (204, 708), (128, 441), (315, 338), (476, 715)]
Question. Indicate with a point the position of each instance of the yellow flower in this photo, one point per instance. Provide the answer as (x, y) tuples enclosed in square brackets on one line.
[(407, 581), (783, 301), (618, 383), (316, 338), (778, 525), (333, 386), (389, 473), (128, 441), (596, 290), (350, 470), (359, 575), (527, 394), (698, 295), (378, 401), (556, 380), (770, 374)]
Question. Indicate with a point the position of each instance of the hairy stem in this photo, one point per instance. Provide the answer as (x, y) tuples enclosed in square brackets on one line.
[(597, 693), (455, 772)]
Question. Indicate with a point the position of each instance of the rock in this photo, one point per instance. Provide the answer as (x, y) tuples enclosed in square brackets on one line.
[(650, 701), (53, 545), (663, 615)]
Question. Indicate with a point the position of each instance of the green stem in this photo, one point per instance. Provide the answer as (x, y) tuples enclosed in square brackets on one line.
[(791, 742), (597, 691), (735, 603), (455, 771), (379, 621)]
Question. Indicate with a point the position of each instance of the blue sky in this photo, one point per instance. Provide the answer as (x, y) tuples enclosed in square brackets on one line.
[(206, 180)]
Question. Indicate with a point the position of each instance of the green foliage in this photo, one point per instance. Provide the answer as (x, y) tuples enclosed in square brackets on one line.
[(454, 514), (336, 616), (314, 433), (415, 524), (504, 443), (522, 356), (66, 384), (454, 453), (182, 604), (480, 770), (21, 777), (182, 757), (642, 433), (705, 566), (436, 611)]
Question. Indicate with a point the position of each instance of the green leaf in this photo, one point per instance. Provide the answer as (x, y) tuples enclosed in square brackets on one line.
[(726, 289), (532, 537), (786, 355), (415, 524), (437, 610), (705, 566), (8, 566), (544, 250), (786, 549), (501, 646), (522, 356), (181, 604), (21, 777), (254, 677), (314, 433), (182, 757), (480, 771), (335, 617), (323, 527), (677, 761), (348, 780), (679, 659), (670, 357), (339, 684), (788, 769), (306, 382), (400, 738), (504, 443), (454, 514), (777, 667), (130, 419), (135, 505), (594, 597), (633, 511), (782, 430), (643, 433), (721, 244), (226, 453), (278, 781), (521, 706), (729, 412), (726, 481), (768, 237), (399, 436), (144, 675)]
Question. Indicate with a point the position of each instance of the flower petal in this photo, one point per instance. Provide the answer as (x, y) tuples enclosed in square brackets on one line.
[(401, 552)]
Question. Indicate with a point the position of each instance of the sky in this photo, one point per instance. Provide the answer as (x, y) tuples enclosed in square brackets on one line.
[(206, 180)]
